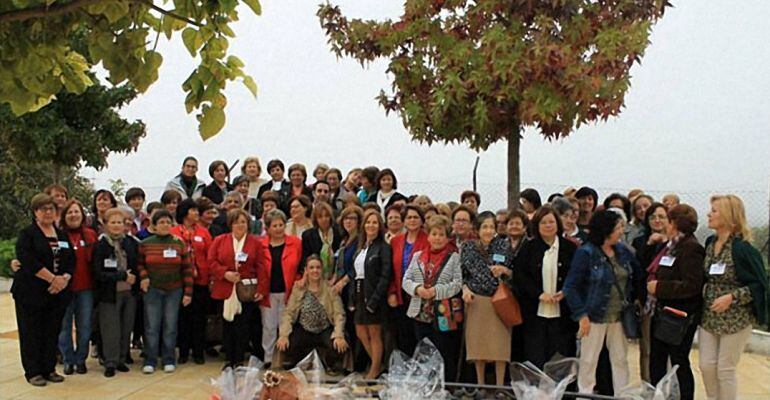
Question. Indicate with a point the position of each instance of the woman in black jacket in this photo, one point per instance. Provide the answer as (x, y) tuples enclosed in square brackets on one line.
[(675, 280), (40, 291), (548, 329), (323, 240), (371, 273), (115, 273)]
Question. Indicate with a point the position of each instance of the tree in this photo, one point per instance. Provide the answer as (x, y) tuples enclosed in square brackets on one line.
[(37, 60), (481, 71), (74, 130)]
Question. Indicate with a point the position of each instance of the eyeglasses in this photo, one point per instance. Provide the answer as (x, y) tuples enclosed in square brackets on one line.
[(658, 217), (350, 218), (47, 209)]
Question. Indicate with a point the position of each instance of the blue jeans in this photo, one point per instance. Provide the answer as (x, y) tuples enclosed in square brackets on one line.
[(161, 306), (81, 308)]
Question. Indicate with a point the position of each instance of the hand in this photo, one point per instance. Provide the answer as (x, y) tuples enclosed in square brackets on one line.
[(232, 276), (585, 327), (339, 286), (145, 284), (58, 283), (186, 300), (498, 270), (195, 272), (393, 300), (467, 295), (282, 343), (301, 283), (547, 298), (340, 345), (559, 296), (431, 293), (722, 303), (258, 297), (656, 238), (130, 278), (652, 286), (15, 265)]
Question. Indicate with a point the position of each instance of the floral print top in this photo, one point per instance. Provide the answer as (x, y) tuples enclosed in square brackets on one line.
[(739, 315)]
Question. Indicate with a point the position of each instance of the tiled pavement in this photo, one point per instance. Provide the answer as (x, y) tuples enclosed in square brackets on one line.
[(190, 381)]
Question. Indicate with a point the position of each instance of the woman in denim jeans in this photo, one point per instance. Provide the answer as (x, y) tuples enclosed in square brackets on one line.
[(599, 281)]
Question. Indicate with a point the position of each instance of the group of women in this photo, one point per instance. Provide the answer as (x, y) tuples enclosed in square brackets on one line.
[(358, 279)]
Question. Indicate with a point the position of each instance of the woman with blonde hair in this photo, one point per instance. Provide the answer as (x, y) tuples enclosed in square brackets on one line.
[(734, 296), (252, 169)]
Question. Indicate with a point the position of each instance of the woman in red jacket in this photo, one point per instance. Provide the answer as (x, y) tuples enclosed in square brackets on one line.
[(404, 245), (278, 261), (233, 258), (192, 320)]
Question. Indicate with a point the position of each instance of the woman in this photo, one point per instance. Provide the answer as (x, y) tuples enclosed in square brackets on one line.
[(278, 258), (735, 296), (471, 199), (313, 320), (516, 229), (170, 200), (569, 211), (617, 200), (599, 283), (40, 290), (371, 274), (588, 199), (647, 247), (404, 246), (675, 279), (218, 188), (434, 274), (103, 201), (208, 213), (541, 267), (368, 183), (252, 170), (81, 307), (192, 319), (639, 207), (232, 258), (394, 222), (166, 275), (277, 184), (297, 178), (299, 211), (350, 221), (320, 170), (484, 263), (462, 225), (186, 183), (322, 240), (530, 201), (385, 187), (115, 272)]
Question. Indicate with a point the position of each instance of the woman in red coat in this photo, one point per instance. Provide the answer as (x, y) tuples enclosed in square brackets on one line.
[(278, 261), (404, 245), (233, 258)]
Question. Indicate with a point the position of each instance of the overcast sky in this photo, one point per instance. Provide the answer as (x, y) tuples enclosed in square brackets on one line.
[(696, 116)]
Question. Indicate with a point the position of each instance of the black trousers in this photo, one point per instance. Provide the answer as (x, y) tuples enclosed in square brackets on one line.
[(39, 327), (235, 334), (660, 353), (402, 327), (545, 337), (447, 343), (192, 323), (302, 343)]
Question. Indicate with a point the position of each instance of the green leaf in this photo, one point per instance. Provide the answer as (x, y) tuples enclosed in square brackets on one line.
[(116, 10), (189, 36), (251, 85), (255, 6), (212, 120)]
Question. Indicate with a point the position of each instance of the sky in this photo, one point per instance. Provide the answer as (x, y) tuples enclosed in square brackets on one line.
[(696, 117)]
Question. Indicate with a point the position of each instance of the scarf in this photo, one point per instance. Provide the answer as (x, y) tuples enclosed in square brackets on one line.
[(188, 184), (432, 260), (120, 257), (232, 306)]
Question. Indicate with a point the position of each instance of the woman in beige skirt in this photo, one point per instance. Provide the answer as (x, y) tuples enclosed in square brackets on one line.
[(484, 262)]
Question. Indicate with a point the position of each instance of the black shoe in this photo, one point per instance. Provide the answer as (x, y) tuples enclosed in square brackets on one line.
[(54, 377), (129, 359), (199, 360), (182, 360), (109, 372), (123, 368), (69, 369), (37, 381), (81, 369), (212, 352)]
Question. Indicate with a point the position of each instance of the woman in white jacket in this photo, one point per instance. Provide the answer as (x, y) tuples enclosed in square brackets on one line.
[(434, 282)]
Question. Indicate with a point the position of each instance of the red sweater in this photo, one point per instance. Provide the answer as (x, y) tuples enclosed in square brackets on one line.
[(83, 242), (397, 245), (221, 258), (199, 240), (292, 254)]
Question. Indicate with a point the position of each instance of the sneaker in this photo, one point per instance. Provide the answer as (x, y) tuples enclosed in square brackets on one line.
[(122, 368), (169, 368), (81, 369), (148, 369), (109, 372)]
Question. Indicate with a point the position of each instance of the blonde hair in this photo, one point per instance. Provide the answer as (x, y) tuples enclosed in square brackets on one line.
[(730, 208), (249, 160), (444, 209)]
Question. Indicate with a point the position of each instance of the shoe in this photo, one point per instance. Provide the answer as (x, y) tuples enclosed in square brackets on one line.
[(54, 377), (169, 368), (69, 369), (37, 381), (212, 352), (199, 360), (109, 372), (123, 368), (148, 369), (129, 359), (182, 360), (267, 365), (81, 369)]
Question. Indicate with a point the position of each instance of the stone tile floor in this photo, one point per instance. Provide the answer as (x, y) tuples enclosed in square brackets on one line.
[(190, 381)]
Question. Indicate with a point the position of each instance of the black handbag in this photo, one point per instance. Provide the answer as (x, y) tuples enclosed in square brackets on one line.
[(669, 327), (629, 316)]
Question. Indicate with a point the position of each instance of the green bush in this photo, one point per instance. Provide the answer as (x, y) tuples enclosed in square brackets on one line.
[(7, 253)]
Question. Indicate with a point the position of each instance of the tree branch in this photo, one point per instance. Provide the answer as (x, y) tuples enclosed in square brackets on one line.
[(150, 4)]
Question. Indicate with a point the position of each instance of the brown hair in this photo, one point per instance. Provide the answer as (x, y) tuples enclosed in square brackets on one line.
[(271, 196), (318, 210), (304, 201), (67, 205), (684, 218), (234, 214), (520, 214), (50, 188), (470, 193), (539, 215), (40, 200), (380, 232), (298, 167)]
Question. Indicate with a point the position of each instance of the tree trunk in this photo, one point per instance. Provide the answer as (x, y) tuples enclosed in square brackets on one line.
[(514, 140), (56, 173)]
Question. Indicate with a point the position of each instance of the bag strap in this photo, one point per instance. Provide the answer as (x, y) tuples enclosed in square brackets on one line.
[(440, 268), (615, 279)]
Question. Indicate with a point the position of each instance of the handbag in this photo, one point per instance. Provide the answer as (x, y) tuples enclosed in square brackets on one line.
[(506, 306), (669, 326), (246, 289), (629, 315)]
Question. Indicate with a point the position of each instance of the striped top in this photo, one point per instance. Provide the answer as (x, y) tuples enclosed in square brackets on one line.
[(166, 262)]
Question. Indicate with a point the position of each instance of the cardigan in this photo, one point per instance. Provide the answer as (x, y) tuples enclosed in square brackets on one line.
[(106, 278), (331, 303), (83, 241), (34, 253), (448, 283), (290, 260), (397, 245), (221, 259)]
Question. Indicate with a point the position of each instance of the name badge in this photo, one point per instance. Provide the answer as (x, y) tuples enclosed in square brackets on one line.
[(337, 254), (241, 257), (111, 263), (667, 261), (198, 239), (169, 253), (498, 258), (64, 245), (717, 269), (82, 243)]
